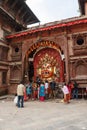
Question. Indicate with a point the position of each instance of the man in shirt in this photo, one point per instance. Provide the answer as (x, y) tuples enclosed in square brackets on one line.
[(20, 94)]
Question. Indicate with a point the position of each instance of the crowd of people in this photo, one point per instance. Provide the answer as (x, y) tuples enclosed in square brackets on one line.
[(43, 91), (35, 90), (40, 90)]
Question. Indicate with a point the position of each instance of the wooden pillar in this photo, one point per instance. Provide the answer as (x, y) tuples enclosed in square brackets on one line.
[(66, 53), (26, 68)]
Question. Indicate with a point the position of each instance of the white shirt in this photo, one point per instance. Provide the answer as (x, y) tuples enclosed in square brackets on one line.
[(46, 85), (65, 89)]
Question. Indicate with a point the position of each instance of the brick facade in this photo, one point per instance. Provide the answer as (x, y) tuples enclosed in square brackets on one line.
[(66, 38)]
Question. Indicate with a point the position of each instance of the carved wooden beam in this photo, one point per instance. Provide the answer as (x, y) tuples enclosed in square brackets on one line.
[(14, 4), (29, 18), (19, 11), (6, 1), (23, 14), (1, 2)]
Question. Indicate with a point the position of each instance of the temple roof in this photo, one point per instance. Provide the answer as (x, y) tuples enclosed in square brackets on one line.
[(18, 10), (49, 26)]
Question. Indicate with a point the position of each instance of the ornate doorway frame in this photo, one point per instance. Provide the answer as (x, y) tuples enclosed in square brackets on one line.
[(38, 47)]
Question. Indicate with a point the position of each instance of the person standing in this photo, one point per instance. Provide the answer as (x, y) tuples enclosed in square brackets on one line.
[(70, 88), (38, 80), (42, 91), (75, 90), (46, 89), (20, 93), (29, 90), (53, 87), (66, 93)]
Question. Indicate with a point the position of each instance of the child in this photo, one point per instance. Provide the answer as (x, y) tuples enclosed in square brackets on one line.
[(16, 100)]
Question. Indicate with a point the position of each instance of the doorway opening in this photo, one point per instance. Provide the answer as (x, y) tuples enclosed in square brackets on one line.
[(31, 71)]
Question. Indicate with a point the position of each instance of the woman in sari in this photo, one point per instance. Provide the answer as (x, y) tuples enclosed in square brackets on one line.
[(42, 91)]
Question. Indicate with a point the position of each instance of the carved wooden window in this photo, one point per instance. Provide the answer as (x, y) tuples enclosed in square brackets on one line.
[(4, 77), (81, 70), (16, 49), (80, 46), (15, 72), (3, 53), (80, 41), (16, 52)]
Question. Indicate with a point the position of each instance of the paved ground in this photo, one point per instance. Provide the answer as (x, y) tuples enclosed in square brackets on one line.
[(48, 115)]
